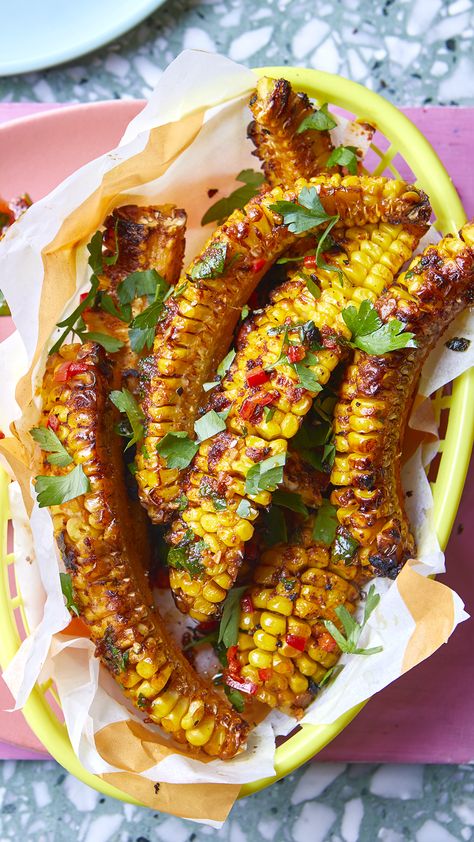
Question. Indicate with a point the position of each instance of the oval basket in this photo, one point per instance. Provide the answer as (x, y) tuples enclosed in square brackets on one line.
[(398, 150)]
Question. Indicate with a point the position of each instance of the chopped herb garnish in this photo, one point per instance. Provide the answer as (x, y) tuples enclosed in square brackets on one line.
[(244, 312), (108, 305), (139, 284), (244, 509), (344, 546), (331, 675), (209, 425), (269, 412), (235, 698), (142, 329), (221, 209), (52, 491), (208, 490), (49, 442), (352, 628), (306, 378), (321, 120), (274, 527), (325, 523), (115, 658), (142, 701), (226, 363), (94, 248), (74, 323), (324, 242), (290, 500), (265, 475), (177, 449), (68, 593), (371, 335), (313, 288), (229, 625), (110, 343), (212, 264), (187, 558), (345, 156), (305, 214), (126, 403)]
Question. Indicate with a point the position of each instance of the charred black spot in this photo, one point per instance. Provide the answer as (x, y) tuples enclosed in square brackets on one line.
[(385, 566), (458, 343)]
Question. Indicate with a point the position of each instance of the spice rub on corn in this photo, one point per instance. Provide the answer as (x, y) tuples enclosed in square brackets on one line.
[(375, 401), (200, 317), (105, 550), (286, 154), (284, 357)]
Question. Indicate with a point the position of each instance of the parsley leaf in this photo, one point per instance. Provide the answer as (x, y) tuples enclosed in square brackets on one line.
[(313, 288), (324, 241), (325, 523), (244, 509), (222, 369), (221, 209), (303, 215), (290, 500), (107, 303), (94, 248), (265, 475), (371, 335), (306, 378), (52, 491), (352, 628), (235, 698), (321, 120), (212, 263), (68, 592), (209, 425), (74, 323), (345, 156), (207, 489), (177, 449), (125, 402), (110, 343), (139, 284), (49, 442), (344, 547), (187, 558), (229, 625), (274, 527)]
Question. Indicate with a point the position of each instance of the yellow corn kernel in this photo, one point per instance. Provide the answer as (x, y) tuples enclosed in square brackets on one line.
[(224, 581), (210, 523), (163, 704), (245, 642), (194, 715), (273, 623), (172, 722), (244, 530), (298, 627), (281, 604), (146, 668), (200, 735), (282, 665), (213, 593), (146, 689), (260, 659), (298, 683), (267, 698), (306, 665), (289, 426), (214, 744), (247, 621), (160, 680), (260, 599), (251, 673), (265, 641)]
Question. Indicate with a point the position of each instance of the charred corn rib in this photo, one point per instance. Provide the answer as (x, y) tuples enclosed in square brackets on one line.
[(200, 317), (376, 397), (103, 550), (283, 648), (285, 154), (144, 238), (221, 466)]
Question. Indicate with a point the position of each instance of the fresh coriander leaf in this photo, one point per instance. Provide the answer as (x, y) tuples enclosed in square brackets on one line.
[(344, 547), (188, 558), (235, 698), (345, 156), (140, 338), (265, 475), (289, 500), (313, 288), (363, 321), (68, 593), (126, 403), (114, 657), (221, 209), (353, 631), (209, 425), (139, 284), (226, 363), (390, 337), (372, 599), (52, 491), (111, 259), (274, 527), (269, 412), (94, 248), (107, 303), (244, 312), (49, 442), (177, 449), (211, 385), (229, 625), (307, 379), (206, 489), (212, 264), (110, 343), (321, 120), (149, 317), (244, 509), (325, 523), (76, 316), (323, 243), (179, 290), (331, 674), (303, 215)]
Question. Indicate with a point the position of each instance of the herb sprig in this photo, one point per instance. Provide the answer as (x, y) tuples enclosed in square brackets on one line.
[(371, 335), (221, 209), (353, 630)]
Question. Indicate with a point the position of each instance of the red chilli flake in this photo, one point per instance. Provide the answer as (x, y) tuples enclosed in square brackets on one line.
[(68, 370), (233, 662), (246, 605), (53, 423), (258, 265), (310, 261), (296, 642), (253, 403), (244, 686), (326, 642), (296, 353), (265, 674), (2, 434), (257, 377)]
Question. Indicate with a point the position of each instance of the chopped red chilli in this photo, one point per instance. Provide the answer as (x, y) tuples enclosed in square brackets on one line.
[(296, 642), (254, 403), (257, 377), (53, 422), (265, 674), (258, 265), (296, 353), (68, 370)]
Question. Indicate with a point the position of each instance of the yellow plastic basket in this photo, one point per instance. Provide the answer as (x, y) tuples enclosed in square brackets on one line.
[(404, 146)]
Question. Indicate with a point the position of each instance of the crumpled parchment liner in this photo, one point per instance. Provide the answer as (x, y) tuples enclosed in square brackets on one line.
[(190, 137)]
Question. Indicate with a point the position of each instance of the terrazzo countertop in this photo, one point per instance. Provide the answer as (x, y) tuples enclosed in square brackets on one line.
[(415, 52)]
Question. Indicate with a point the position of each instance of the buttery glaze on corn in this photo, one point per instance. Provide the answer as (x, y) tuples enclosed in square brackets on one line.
[(105, 550), (370, 258), (144, 238), (193, 337), (286, 154), (376, 397)]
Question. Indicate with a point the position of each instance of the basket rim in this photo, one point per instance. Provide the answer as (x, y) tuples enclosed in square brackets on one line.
[(425, 163)]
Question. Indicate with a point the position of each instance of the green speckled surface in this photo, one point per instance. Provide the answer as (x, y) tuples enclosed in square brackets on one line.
[(415, 53)]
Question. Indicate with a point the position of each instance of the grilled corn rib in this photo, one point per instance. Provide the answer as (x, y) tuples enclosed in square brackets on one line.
[(200, 317), (143, 238), (370, 259), (104, 549), (376, 397), (286, 154), (283, 648)]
